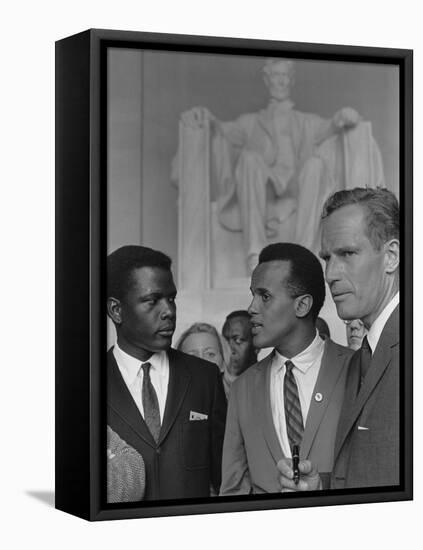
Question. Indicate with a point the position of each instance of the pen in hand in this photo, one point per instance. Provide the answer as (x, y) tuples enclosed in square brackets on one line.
[(295, 463)]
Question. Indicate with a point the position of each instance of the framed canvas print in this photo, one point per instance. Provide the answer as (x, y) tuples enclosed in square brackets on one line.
[(233, 313)]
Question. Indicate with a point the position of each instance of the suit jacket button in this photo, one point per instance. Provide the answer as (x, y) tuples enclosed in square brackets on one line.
[(158, 450), (318, 397)]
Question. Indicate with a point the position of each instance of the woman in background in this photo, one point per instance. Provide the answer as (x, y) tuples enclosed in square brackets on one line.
[(203, 340)]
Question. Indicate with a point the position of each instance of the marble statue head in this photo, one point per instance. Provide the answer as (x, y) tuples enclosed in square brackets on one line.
[(278, 75)]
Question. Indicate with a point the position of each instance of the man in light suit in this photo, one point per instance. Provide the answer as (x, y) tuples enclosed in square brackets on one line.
[(169, 406), (360, 245), (294, 395)]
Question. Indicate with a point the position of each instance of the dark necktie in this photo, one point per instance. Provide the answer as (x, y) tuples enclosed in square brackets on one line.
[(293, 414), (365, 359), (150, 403)]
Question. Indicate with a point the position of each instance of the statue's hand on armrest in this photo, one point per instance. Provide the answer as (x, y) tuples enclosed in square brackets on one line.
[(345, 118), (342, 120), (197, 117)]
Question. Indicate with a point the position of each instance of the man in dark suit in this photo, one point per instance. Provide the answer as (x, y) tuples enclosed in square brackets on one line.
[(169, 406), (360, 245), (293, 396)]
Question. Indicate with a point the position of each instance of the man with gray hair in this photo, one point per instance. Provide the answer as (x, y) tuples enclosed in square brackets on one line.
[(361, 249)]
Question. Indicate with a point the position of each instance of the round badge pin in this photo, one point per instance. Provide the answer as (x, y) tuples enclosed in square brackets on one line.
[(318, 397)]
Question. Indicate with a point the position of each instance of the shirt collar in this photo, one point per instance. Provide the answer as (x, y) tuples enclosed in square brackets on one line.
[(305, 359), (376, 329), (130, 366)]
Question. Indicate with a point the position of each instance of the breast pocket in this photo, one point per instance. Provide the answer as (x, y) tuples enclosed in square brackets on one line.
[(195, 444)]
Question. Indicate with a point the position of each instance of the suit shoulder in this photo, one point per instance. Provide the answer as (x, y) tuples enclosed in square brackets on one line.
[(250, 375), (196, 365), (341, 350)]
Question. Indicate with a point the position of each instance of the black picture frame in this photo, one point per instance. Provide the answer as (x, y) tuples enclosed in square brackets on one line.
[(81, 221)]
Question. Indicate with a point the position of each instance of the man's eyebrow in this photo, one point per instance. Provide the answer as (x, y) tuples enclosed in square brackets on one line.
[(259, 290), (339, 250), (346, 248), (151, 295)]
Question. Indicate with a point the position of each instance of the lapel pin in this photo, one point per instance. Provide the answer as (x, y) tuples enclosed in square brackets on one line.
[(318, 397)]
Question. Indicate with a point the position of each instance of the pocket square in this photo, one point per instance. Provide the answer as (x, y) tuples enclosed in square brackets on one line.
[(362, 428), (197, 416)]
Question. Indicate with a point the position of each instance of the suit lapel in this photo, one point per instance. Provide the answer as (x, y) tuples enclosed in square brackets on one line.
[(380, 361), (179, 379), (262, 398), (330, 371), (121, 401), (351, 386)]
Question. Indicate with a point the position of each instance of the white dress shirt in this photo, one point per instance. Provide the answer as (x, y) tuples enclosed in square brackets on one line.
[(133, 375), (378, 325), (306, 370)]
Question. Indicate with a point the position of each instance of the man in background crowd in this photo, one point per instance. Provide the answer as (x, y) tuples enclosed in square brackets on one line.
[(237, 332), (355, 333)]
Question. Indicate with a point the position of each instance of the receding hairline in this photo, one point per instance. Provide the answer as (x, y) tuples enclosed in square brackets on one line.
[(380, 209), (365, 211)]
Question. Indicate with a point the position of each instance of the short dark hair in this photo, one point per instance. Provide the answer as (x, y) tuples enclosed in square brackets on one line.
[(305, 275), (122, 262), (235, 314), (380, 207)]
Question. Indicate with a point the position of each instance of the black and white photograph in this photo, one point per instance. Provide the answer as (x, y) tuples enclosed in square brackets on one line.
[(211, 304), (253, 276)]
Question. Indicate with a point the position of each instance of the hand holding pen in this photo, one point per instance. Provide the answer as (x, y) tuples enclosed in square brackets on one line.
[(308, 476), (295, 463)]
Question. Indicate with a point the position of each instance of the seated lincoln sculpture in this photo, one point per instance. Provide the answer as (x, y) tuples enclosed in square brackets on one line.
[(271, 169)]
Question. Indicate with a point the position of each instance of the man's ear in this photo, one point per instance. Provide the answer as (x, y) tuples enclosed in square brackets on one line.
[(392, 255), (303, 305), (114, 310)]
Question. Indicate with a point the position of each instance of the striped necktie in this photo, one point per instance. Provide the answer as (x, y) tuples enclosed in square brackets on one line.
[(150, 403), (293, 414)]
